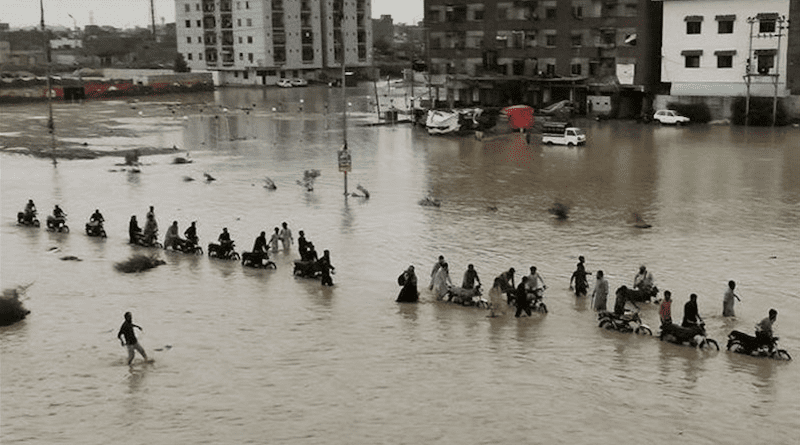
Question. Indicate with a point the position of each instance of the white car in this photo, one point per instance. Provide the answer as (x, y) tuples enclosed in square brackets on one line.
[(670, 117), (297, 82), (285, 83)]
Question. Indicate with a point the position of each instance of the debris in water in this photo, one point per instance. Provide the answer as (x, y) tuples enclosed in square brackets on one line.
[(561, 211), (269, 184), (209, 178), (138, 263), (309, 176), (188, 179), (70, 258), (430, 202), (364, 192), (640, 223)]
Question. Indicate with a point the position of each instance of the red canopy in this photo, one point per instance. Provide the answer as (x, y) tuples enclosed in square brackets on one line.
[(519, 116)]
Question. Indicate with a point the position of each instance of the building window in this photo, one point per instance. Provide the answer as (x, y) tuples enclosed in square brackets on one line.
[(577, 11), (724, 61), (246, 5), (245, 74), (692, 58), (198, 24), (188, 40), (766, 60), (594, 68), (551, 13), (199, 40), (250, 57), (235, 74), (197, 8), (766, 26), (693, 27), (199, 56), (609, 37), (725, 27), (577, 40), (249, 22), (478, 15), (241, 56), (249, 39), (188, 23), (239, 22), (575, 69), (188, 7), (550, 40), (240, 39), (189, 56), (551, 69)]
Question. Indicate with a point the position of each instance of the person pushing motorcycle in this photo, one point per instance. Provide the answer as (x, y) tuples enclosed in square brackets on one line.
[(764, 330)]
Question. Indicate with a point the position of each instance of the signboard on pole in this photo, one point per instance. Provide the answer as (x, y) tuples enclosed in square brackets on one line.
[(344, 160)]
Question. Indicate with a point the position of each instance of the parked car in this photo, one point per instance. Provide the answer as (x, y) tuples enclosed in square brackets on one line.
[(298, 82), (285, 83), (671, 117), (563, 134)]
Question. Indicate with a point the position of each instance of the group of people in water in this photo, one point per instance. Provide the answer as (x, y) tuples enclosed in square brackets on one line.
[(281, 237), (532, 286)]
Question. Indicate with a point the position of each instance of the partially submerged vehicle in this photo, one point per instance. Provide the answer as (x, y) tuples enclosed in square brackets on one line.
[(562, 133), (451, 121)]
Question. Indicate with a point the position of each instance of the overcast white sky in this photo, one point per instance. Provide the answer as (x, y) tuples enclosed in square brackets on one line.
[(132, 13)]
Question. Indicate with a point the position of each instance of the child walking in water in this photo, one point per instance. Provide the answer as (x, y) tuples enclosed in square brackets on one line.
[(126, 330)]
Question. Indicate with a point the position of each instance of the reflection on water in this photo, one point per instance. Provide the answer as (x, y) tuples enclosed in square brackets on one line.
[(260, 353)]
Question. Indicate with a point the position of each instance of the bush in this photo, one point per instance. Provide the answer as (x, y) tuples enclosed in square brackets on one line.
[(698, 113), (11, 308), (760, 111), (138, 263)]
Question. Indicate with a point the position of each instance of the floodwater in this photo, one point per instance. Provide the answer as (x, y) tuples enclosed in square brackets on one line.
[(258, 356)]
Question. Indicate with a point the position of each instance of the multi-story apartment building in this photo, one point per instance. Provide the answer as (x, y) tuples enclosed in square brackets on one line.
[(601, 54), (717, 47), (258, 42)]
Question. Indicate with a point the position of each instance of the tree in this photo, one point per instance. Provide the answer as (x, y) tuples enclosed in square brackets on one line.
[(180, 64)]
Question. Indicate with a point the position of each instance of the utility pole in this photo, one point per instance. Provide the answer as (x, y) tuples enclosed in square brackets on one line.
[(153, 18), (51, 127)]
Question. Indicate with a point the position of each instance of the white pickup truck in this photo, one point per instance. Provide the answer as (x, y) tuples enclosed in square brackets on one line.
[(562, 133)]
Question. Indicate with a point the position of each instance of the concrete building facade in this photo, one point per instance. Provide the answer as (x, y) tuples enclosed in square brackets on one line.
[(258, 42), (560, 49), (715, 47)]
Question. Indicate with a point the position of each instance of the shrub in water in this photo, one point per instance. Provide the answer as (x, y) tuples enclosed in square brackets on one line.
[(138, 263), (760, 111), (11, 308)]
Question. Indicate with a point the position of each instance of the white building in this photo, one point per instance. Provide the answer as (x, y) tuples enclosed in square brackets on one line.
[(713, 47), (258, 42), (65, 43)]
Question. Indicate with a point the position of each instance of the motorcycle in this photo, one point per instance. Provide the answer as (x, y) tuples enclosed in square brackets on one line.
[(29, 219), (186, 246), (746, 344), (693, 336), (148, 241), (217, 251), (95, 228), (252, 259), (57, 224), (627, 322), (642, 295), (467, 297), (535, 299)]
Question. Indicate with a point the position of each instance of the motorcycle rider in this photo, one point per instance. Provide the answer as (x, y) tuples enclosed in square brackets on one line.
[(620, 301), (191, 233), (96, 219), (260, 248), (225, 242), (691, 317), (171, 238), (643, 280), (59, 214), (764, 330), (150, 229), (134, 232), (30, 210), (535, 285)]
